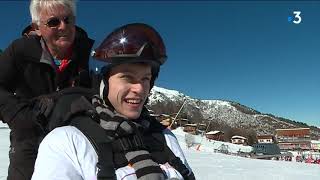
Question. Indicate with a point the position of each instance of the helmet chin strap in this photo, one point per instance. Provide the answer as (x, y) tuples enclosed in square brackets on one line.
[(103, 93), (101, 89)]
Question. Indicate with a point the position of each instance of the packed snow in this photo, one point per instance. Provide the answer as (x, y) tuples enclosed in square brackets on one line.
[(4, 150), (218, 103), (168, 92), (171, 94), (208, 165)]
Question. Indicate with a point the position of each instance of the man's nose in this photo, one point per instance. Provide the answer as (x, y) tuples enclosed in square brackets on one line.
[(138, 87), (63, 25)]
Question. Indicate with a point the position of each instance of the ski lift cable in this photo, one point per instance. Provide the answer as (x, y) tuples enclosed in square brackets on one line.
[(177, 114)]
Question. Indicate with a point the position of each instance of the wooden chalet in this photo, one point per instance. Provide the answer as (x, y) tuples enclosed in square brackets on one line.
[(190, 128), (215, 135), (294, 139), (239, 140)]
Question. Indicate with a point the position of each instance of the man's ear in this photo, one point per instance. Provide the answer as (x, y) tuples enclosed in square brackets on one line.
[(36, 28)]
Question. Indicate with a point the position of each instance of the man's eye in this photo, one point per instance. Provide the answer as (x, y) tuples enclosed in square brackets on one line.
[(125, 77), (146, 79)]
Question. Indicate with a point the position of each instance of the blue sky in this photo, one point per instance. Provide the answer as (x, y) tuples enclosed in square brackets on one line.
[(241, 51)]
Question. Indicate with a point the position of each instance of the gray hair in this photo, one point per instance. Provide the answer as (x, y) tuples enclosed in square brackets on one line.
[(37, 5)]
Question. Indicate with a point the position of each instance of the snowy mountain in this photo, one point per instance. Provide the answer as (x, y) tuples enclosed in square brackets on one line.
[(222, 113)]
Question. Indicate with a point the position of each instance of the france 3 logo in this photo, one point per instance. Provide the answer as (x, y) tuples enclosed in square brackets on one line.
[(296, 18)]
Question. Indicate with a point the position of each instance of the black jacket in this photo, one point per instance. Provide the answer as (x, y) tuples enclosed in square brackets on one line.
[(26, 71)]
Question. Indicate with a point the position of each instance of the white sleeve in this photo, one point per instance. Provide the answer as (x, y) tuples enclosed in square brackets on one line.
[(66, 154), (173, 144)]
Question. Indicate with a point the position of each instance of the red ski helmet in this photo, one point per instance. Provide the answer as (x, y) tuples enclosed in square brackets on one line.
[(132, 43)]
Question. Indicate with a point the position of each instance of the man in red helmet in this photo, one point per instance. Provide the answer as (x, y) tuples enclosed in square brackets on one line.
[(112, 136)]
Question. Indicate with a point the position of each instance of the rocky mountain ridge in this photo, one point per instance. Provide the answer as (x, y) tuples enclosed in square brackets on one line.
[(233, 114)]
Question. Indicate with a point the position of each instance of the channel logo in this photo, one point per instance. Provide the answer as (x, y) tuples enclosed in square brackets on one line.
[(296, 18)]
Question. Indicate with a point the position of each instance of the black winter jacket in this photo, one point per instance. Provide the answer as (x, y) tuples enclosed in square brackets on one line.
[(27, 71)]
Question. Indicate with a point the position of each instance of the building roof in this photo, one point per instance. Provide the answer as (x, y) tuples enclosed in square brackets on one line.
[(190, 125), (165, 115), (315, 142), (297, 142), (293, 129), (155, 115), (213, 132), (238, 137), (293, 132), (265, 136)]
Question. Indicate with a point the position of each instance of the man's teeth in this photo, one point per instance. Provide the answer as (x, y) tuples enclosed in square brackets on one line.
[(133, 101)]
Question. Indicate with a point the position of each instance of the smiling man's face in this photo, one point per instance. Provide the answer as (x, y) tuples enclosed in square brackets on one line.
[(129, 87)]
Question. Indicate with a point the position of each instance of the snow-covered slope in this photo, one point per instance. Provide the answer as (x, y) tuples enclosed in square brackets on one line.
[(4, 150), (208, 165), (204, 145)]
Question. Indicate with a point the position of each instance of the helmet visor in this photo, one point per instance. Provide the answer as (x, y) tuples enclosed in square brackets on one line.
[(134, 42)]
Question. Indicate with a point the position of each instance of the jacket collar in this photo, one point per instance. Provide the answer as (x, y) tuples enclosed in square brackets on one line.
[(46, 56)]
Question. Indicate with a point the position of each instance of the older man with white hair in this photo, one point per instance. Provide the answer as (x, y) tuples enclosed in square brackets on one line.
[(52, 54)]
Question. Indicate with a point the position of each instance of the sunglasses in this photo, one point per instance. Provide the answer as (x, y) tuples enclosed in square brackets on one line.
[(55, 22)]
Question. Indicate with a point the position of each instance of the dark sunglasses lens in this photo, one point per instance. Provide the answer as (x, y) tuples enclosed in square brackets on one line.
[(53, 22), (68, 20)]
